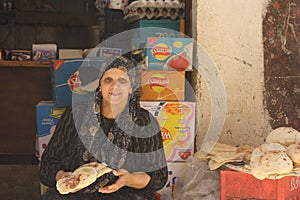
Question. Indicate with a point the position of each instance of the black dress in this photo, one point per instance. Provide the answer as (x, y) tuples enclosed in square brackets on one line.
[(66, 151)]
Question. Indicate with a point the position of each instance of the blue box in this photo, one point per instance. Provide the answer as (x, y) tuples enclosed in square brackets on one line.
[(66, 86), (159, 28), (47, 117)]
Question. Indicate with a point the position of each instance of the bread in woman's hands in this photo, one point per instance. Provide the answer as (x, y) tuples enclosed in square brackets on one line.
[(82, 177)]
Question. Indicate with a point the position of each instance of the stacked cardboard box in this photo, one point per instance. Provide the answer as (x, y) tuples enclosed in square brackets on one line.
[(164, 58)]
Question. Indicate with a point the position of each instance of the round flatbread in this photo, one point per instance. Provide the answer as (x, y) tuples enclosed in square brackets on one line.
[(271, 163), (284, 136), (101, 168), (80, 178), (293, 152)]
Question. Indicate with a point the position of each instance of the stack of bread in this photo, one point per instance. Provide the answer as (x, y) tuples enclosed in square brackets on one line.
[(279, 156), (82, 177)]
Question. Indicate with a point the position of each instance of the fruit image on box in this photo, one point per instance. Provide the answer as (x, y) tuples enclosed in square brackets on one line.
[(66, 86), (162, 85), (177, 123), (169, 54), (47, 116)]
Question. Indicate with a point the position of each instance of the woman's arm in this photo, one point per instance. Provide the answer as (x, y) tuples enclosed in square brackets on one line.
[(52, 156), (136, 180)]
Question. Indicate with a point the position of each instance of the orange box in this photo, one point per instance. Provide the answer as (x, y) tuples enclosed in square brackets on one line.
[(162, 85), (236, 185)]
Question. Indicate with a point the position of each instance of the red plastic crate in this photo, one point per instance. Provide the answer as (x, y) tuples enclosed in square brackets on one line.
[(241, 186)]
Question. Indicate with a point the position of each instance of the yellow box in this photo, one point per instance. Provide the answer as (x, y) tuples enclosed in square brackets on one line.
[(163, 85), (177, 124)]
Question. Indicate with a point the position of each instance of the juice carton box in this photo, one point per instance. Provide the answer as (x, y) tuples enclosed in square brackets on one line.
[(177, 123)]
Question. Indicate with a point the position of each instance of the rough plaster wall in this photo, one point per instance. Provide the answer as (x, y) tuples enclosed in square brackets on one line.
[(231, 33)]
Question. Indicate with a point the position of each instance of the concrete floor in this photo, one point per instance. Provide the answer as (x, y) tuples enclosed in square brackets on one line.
[(19, 182)]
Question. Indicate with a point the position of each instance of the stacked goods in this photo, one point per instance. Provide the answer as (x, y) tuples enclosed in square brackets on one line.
[(164, 58), (279, 156), (154, 9), (269, 159), (269, 171)]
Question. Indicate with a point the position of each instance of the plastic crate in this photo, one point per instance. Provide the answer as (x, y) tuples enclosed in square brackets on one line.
[(238, 185)]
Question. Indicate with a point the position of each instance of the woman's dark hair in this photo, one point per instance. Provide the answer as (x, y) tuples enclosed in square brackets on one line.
[(133, 73)]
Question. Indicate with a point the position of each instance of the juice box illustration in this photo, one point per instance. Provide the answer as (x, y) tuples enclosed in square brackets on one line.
[(169, 54), (177, 123)]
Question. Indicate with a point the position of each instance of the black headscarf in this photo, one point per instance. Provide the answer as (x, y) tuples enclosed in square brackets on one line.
[(110, 148)]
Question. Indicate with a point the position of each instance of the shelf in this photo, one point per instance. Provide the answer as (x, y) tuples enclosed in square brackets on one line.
[(49, 18), (5, 63)]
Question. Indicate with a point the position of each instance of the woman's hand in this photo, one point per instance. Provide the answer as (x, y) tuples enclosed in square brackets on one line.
[(137, 180), (62, 174)]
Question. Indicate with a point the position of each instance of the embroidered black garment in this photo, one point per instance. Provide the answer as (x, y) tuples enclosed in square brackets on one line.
[(66, 151)]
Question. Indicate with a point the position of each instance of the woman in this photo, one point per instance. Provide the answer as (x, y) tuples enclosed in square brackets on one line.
[(114, 130)]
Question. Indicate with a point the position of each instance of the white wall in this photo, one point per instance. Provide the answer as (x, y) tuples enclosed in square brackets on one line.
[(230, 32)]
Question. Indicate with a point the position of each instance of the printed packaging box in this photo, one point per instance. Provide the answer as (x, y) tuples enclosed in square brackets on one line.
[(108, 52), (162, 85), (66, 86), (177, 123), (20, 55), (169, 54), (47, 116), (156, 28), (44, 52), (70, 53), (176, 172)]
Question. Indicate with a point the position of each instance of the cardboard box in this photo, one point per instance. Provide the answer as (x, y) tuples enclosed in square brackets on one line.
[(239, 185), (176, 172), (69, 53), (102, 52), (44, 52), (162, 85), (47, 116), (66, 86), (109, 52), (156, 28), (169, 54), (177, 123)]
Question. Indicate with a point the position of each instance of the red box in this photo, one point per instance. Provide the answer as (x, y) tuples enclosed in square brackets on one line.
[(236, 185)]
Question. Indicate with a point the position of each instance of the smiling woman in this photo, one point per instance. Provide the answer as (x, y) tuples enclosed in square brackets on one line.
[(111, 129)]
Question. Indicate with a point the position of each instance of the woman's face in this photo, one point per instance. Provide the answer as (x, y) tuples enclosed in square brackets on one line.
[(115, 86)]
